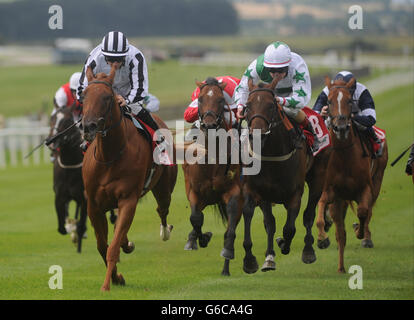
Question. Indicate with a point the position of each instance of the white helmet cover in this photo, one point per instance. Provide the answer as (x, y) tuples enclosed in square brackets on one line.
[(277, 55), (115, 44), (74, 80)]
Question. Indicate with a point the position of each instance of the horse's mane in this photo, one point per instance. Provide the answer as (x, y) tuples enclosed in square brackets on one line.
[(211, 81), (339, 82), (102, 76), (261, 85)]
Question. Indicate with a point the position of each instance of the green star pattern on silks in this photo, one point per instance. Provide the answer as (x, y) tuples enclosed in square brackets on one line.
[(301, 92), (247, 73), (292, 102), (299, 76)]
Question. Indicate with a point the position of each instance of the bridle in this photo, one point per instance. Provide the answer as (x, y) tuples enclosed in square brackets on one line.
[(104, 130), (218, 116), (340, 116), (108, 111), (273, 122)]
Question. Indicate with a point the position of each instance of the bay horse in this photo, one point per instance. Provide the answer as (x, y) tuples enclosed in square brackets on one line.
[(217, 183), (116, 168), (67, 174), (281, 180), (352, 174)]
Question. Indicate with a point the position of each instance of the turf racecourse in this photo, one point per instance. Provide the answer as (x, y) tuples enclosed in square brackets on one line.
[(30, 244)]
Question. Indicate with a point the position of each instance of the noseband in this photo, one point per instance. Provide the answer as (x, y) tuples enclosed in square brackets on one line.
[(108, 111), (272, 123)]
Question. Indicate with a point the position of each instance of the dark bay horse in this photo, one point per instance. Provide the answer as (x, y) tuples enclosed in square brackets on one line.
[(213, 183), (67, 173), (281, 178), (352, 174), (116, 168)]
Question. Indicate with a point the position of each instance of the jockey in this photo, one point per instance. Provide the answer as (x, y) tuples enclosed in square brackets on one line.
[(191, 113), (131, 80), (408, 167), (65, 96), (363, 107), (293, 91)]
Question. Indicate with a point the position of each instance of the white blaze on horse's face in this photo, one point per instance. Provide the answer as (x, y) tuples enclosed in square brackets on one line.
[(59, 118), (210, 93), (339, 99)]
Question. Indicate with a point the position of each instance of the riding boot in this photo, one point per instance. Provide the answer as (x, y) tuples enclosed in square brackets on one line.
[(145, 116), (308, 126), (373, 136), (408, 167)]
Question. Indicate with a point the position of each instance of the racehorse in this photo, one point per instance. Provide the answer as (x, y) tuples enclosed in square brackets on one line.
[(217, 183), (67, 174), (352, 174), (117, 166), (281, 179)]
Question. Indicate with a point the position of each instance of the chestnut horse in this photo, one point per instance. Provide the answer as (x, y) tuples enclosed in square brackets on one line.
[(217, 183), (352, 175), (116, 167), (281, 178)]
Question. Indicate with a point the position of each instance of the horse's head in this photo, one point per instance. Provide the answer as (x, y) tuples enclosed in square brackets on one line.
[(262, 111), (98, 101), (61, 120), (211, 103), (340, 106)]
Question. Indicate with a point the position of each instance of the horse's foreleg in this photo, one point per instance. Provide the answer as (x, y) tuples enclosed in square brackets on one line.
[(61, 206), (270, 227), (81, 224), (364, 211), (289, 230), (323, 239), (338, 211), (234, 207), (100, 225), (249, 262), (197, 220), (126, 215)]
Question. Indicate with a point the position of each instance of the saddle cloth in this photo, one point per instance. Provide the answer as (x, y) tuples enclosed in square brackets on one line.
[(319, 128)]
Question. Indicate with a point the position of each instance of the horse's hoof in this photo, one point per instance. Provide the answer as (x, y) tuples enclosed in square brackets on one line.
[(191, 245), (225, 273), (62, 231), (341, 270), (355, 226), (227, 254), (282, 245), (328, 225), (104, 288), (250, 265), (323, 244), (129, 248), (119, 281), (165, 232), (269, 264), (308, 256), (205, 239), (367, 243)]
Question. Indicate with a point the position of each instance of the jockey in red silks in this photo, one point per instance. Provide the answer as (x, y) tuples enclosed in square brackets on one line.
[(65, 96), (191, 113)]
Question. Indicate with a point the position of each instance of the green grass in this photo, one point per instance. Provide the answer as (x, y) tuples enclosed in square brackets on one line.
[(30, 244)]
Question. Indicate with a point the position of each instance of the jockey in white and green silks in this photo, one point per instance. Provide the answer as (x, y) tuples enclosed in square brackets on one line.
[(293, 91)]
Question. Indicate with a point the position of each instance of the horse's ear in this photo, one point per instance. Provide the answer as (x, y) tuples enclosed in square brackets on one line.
[(328, 82), (350, 83), (275, 81), (199, 84), (112, 72), (250, 84), (222, 85), (89, 74)]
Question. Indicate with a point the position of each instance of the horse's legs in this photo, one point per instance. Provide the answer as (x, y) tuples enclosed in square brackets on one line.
[(323, 239), (81, 224), (363, 211), (61, 206), (100, 225), (197, 220), (270, 227), (289, 230), (338, 215), (126, 215), (162, 193), (308, 254), (249, 262), (234, 208)]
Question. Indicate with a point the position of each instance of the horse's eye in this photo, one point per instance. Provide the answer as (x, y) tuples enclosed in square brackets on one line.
[(200, 100)]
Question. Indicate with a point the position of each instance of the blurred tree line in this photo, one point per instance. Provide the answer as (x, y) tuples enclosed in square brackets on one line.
[(28, 19)]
